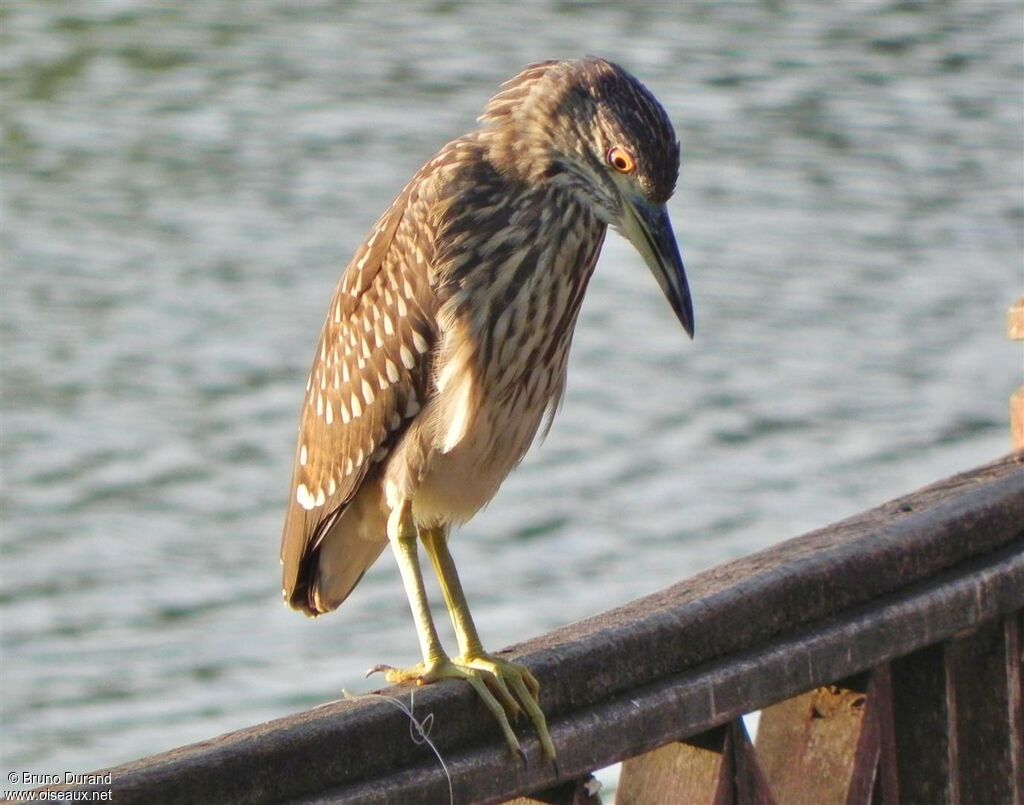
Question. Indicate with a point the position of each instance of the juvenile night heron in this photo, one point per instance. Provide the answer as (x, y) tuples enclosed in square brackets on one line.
[(446, 343)]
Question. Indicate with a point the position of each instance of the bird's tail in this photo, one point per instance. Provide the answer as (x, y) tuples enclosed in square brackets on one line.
[(332, 562)]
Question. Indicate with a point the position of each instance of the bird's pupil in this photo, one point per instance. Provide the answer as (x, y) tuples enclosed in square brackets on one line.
[(619, 160)]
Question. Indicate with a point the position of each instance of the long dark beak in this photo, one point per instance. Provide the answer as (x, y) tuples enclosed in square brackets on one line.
[(649, 229)]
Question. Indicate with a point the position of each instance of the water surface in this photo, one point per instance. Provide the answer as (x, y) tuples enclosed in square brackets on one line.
[(182, 184)]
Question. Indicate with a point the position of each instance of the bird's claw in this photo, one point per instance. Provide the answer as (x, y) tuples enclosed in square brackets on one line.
[(524, 693), (506, 689)]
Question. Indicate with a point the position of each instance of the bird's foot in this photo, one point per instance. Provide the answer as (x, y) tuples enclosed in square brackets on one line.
[(519, 690), (505, 688)]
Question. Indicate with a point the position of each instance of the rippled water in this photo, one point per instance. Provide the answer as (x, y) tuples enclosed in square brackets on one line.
[(182, 184)]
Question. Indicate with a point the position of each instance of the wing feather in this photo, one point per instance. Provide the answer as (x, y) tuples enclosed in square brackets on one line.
[(370, 369)]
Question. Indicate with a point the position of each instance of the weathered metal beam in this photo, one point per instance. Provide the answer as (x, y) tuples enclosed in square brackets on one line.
[(981, 669), (584, 791), (695, 700), (925, 745), (741, 636), (958, 726), (1014, 633)]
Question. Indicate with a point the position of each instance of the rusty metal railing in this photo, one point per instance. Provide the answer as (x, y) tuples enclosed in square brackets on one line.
[(884, 651)]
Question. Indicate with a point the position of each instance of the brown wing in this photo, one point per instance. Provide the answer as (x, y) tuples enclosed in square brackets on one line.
[(368, 378)]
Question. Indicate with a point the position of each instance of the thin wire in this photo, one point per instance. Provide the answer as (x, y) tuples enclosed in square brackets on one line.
[(419, 730)]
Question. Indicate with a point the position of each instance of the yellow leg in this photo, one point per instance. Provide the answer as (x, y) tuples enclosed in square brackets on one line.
[(436, 665), (402, 536), (500, 674)]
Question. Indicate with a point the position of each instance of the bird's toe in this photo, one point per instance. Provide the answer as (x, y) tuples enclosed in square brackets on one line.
[(520, 686), (507, 689)]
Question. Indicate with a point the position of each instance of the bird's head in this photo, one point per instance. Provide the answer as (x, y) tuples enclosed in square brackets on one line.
[(592, 127)]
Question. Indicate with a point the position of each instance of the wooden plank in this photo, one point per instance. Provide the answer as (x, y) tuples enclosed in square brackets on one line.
[(718, 767), (833, 745), (980, 679), (1015, 331), (1017, 419), (697, 771), (925, 743), (1015, 321), (814, 609), (807, 744)]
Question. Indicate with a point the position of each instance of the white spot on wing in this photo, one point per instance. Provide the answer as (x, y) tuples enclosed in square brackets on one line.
[(304, 498), (303, 455), (407, 358), (419, 342), (392, 370)]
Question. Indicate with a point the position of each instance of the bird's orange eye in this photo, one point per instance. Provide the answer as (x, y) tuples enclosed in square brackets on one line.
[(620, 159)]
